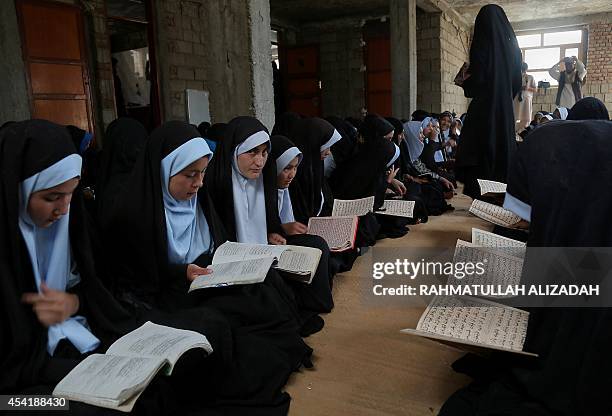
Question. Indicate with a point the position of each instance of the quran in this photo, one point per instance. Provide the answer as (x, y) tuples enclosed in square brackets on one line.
[(491, 187), (242, 272), (116, 380), (507, 245), (398, 208), (473, 322), (296, 262), (339, 232), (353, 207), (494, 214)]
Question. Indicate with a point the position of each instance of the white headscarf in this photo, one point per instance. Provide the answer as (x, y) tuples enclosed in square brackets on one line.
[(562, 112), (412, 130), (285, 209), (335, 138), (187, 230), (249, 196), (395, 156), (50, 252)]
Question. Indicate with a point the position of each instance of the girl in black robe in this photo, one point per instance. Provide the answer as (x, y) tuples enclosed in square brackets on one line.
[(371, 172), (45, 247), (412, 189), (310, 195), (170, 241), (124, 140), (317, 297), (493, 79), (573, 372), (250, 213)]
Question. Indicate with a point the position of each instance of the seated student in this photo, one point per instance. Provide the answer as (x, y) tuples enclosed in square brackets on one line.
[(243, 185), (343, 149), (434, 151), (55, 310), (371, 173), (433, 186), (310, 194), (124, 140), (163, 233), (572, 373), (588, 108), (412, 190)]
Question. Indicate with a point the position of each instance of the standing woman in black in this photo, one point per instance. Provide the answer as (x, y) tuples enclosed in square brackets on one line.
[(492, 80)]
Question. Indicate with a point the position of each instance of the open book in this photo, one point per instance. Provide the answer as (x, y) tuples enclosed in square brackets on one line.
[(297, 262), (352, 207), (507, 245), (243, 272), (500, 268), (116, 379), (474, 322), (398, 208), (494, 214), (491, 187), (339, 232)]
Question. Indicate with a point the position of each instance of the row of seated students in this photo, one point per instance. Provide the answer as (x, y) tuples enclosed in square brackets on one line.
[(93, 246), (74, 279)]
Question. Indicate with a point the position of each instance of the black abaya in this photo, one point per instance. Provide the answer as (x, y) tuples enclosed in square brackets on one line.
[(561, 166), (488, 139)]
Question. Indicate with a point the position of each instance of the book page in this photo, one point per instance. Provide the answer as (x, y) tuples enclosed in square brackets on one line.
[(398, 208), (339, 232), (231, 251), (493, 213), (350, 207), (108, 380), (508, 245), (493, 187), (234, 273), (153, 340), (475, 320), (300, 260), (500, 268)]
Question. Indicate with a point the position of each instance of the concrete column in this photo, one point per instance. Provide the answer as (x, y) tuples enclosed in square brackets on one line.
[(14, 98), (403, 57), (221, 46), (262, 91)]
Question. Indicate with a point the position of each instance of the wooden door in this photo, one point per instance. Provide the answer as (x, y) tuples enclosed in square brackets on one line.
[(55, 59), (301, 67), (378, 75)]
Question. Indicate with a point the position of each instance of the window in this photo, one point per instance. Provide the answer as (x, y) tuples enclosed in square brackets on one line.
[(543, 49)]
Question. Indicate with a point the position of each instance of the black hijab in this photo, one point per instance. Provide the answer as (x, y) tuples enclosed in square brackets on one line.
[(488, 139), (219, 176), (203, 128), (309, 135), (137, 225), (589, 108), (398, 128), (124, 140), (561, 165), (284, 124), (27, 148), (347, 147), (364, 174), (216, 132), (374, 128)]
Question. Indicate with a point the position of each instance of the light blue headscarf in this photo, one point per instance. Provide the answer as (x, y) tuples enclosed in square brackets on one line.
[(249, 196), (50, 252), (187, 230), (285, 209), (415, 147), (395, 156)]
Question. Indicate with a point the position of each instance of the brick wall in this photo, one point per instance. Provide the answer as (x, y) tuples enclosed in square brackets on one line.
[(454, 50), (429, 93), (442, 47), (341, 66)]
